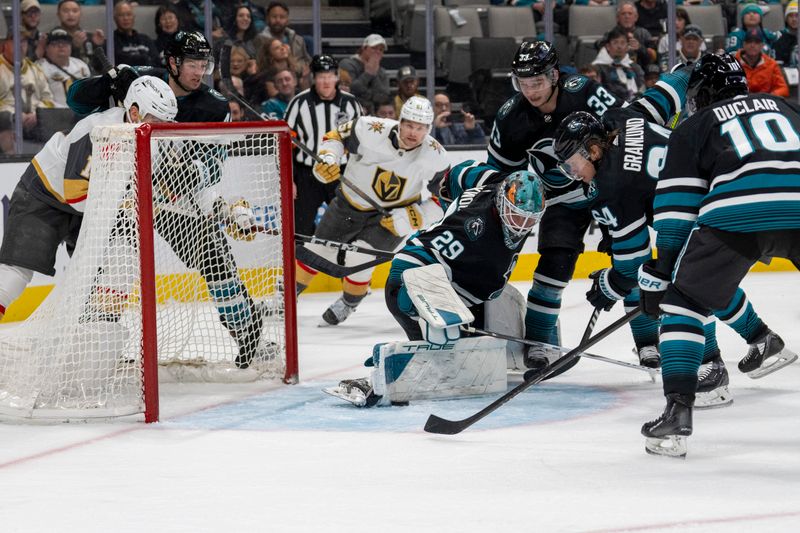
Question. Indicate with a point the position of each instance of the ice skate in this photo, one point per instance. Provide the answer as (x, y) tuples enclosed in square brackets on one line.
[(666, 435), (537, 357), (336, 313), (356, 391), (766, 355), (649, 356), (712, 385)]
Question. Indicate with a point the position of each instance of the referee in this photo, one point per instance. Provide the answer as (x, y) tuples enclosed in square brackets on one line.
[(312, 113)]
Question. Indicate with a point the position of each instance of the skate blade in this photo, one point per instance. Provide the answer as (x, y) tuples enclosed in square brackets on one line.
[(714, 399), (776, 362), (673, 446), (356, 398)]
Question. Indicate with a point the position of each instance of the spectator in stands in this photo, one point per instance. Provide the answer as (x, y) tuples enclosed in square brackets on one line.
[(407, 85), (237, 115), (618, 73), (763, 73), (591, 72), (640, 47), (454, 127), (651, 74), (368, 79), (130, 46), (275, 55), (278, 28), (167, 25), (384, 109), (192, 16), (751, 18), (691, 46), (242, 31), (83, 42), (84, 2), (228, 11), (593, 3), (286, 83), (652, 15), (60, 68), (31, 16), (345, 83), (681, 21), (35, 89), (788, 37)]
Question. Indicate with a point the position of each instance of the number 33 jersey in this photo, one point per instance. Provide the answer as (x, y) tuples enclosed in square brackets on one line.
[(469, 242)]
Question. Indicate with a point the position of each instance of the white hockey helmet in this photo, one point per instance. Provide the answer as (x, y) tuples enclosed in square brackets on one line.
[(417, 109), (152, 96)]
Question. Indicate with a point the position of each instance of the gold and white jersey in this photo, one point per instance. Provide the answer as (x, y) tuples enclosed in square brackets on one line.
[(389, 174), (63, 165)]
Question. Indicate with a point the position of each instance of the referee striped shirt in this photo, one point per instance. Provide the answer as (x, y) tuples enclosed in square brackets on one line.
[(311, 118)]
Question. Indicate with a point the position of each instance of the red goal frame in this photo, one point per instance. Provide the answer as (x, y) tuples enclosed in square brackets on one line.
[(147, 260)]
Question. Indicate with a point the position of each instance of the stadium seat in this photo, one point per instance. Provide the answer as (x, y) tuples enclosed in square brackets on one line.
[(490, 82), (452, 40), (507, 21), (711, 20), (587, 24)]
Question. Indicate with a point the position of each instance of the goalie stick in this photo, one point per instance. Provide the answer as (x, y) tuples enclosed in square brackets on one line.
[(225, 75), (442, 426)]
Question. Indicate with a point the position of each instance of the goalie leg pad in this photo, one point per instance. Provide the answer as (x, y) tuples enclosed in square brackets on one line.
[(435, 299), (506, 314), (418, 370)]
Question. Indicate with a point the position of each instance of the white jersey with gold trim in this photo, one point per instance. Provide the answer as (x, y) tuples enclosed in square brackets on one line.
[(387, 173)]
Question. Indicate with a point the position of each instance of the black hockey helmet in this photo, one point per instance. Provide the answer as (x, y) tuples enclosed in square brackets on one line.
[(323, 63), (576, 131), (534, 58), (715, 77), (188, 45)]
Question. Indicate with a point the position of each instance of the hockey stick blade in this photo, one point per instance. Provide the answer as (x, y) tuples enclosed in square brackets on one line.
[(442, 426)]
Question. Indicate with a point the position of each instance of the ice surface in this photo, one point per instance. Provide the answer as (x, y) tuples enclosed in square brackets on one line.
[(564, 456)]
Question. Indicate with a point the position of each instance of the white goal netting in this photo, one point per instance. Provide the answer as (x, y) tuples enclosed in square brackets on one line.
[(218, 266)]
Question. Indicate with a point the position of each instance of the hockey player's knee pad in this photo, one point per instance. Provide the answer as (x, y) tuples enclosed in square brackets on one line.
[(557, 263)]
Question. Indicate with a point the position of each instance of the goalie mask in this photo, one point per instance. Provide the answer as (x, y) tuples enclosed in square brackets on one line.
[(153, 97), (520, 203), (715, 77), (573, 139)]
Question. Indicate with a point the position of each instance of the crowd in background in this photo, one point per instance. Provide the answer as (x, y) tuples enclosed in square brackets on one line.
[(269, 61)]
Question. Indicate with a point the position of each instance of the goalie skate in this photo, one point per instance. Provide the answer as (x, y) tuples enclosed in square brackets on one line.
[(712, 386), (666, 435), (766, 356), (356, 391)]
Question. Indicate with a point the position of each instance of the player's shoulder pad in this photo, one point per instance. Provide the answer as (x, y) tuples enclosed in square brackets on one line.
[(510, 104), (574, 83), (370, 127)]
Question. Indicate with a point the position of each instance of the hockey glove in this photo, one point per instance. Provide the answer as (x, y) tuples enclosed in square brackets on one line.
[(653, 283), (404, 220), (608, 287), (439, 336), (241, 221), (121, 78), (328, 171)]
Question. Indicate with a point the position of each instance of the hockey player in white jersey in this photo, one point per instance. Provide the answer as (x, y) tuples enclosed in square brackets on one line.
[(392, 162), (47, 205)]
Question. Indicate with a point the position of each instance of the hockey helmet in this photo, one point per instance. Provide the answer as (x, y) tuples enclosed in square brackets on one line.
[(534, 58), (715, 77), (520, 203), (323, 63), (417, 109), (189, 45), (574, 135), (152, 96)]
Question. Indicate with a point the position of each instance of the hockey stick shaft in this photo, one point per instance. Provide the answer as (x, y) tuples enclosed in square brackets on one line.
[(441, 426), (320, 264), (387, 256), (651, 371)]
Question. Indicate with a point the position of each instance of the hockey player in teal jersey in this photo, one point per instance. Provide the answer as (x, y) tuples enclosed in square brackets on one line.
[(728, 195), (522, 126)]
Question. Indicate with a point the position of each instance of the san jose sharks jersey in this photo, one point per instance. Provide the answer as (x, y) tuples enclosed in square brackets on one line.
[(732, 166), (470, 243)]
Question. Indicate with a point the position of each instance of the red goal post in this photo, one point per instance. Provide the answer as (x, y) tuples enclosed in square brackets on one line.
[(184, 270)]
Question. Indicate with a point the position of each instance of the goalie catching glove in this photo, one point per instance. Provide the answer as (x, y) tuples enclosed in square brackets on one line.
[(327, 171), (239, 220)]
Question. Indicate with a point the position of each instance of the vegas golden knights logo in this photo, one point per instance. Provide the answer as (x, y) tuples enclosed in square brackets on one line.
[(388, 185)]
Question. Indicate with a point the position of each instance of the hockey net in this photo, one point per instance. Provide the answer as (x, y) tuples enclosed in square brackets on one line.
[(169, 280)]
